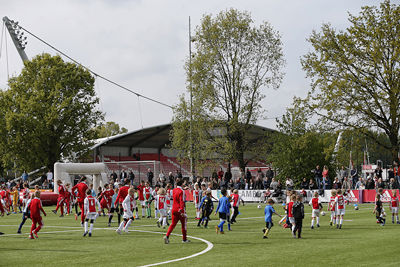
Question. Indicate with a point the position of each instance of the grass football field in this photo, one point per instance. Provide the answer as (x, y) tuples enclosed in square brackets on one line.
[(361, 242)]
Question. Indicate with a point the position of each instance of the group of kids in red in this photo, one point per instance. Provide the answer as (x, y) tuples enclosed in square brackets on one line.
[(170, 203)]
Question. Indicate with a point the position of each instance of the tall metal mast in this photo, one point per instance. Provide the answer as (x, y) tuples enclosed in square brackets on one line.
[(17, 35), (192, 170)]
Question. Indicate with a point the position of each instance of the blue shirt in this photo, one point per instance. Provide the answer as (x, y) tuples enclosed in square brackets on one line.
[(268, 211), (223, 205)]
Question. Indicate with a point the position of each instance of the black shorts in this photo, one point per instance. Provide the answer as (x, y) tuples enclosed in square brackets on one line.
[(222, 216), (269, 225), (116, 209)]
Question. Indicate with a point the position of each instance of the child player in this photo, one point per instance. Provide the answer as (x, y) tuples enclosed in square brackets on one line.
[(207, 207), (161, 206), (197, 199), (61, 198), (147, 198), (129, 206), (90, 211), (340, 208), (379, 210), (290, 214), (223, 210), (394, 206), (298, 214), (153, 197), (268, 212), (79, 191), (26, 213), (316, 207), (332, 208), (141, 197), (35, 207), (235, 204)]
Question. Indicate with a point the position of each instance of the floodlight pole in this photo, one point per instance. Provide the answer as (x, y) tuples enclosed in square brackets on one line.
[(18, 40), (192, 169)]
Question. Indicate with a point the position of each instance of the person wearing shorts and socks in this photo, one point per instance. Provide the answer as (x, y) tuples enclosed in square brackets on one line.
[(379, 210), (207, 206), (394, 206), (128, 206), (268, 212), (91, 213), (340, 208)]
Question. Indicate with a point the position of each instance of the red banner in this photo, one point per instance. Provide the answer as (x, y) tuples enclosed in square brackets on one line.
[(369, 195)]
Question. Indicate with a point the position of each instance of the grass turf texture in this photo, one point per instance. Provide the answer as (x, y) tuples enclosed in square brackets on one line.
[(361, 242)]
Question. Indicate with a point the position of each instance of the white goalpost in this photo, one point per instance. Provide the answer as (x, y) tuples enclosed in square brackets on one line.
[(63, 172)]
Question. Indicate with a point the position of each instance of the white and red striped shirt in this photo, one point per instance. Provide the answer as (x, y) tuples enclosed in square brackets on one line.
[(90, 203), (147, 193), (161, 202), (314, 202), (332, 204), (394, 202), (340, 201), (196, 196), (236, 200), (26, 193)]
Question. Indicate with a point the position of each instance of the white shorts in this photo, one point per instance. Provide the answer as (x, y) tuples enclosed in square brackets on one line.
[(163, 212), (395, 209), (315, 213), (340, 212), (291, 220), (142, 203), (127, 214), (91, 216)]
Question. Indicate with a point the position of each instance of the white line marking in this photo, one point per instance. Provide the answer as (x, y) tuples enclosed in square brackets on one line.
[(66, 231), (208, 248)]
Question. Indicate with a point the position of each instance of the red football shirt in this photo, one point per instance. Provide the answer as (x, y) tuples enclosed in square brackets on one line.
[(178, 196), (81, 188)]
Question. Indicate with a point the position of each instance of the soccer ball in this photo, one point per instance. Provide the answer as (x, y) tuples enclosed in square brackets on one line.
[(322, 213), (259, 206), (355, 206)]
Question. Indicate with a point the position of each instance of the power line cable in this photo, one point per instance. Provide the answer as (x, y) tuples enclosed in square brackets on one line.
[(94, 73)]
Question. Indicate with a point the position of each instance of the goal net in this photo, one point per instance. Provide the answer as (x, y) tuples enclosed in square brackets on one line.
[(139, 169)]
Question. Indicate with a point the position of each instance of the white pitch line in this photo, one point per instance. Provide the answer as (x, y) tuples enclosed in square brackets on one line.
[(66, 231), (208, 248)]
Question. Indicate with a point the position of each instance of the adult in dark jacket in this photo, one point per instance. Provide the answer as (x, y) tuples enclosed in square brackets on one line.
[(298, 214)]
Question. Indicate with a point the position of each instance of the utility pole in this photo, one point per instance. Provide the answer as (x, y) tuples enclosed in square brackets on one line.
[(192, 169), (17, 35)]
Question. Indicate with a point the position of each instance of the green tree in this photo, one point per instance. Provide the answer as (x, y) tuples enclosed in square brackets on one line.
[(109, 128), (47, 113), (234, 62), (299, 146), (355, 74)]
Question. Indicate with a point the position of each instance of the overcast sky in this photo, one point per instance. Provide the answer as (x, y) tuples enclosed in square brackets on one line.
[(143, 44)]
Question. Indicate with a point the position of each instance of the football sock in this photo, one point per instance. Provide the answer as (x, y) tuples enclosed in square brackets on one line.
[(128, 223), (91, 227), (293, 226), (397, 217), (392, 218), (266, 231), (221, 225), (341, 221), (143, 212), (149, 211), (121, 225), (119, 218), (312, 221), (164, 221), (136, 214), (229, 226), (334, 220), (86, 227), (317, 220), (110, 218)]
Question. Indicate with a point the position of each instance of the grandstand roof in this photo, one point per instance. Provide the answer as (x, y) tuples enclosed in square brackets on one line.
[(156, 137)]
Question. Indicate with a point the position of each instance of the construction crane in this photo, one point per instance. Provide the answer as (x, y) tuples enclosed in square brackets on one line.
[(17, 36)]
